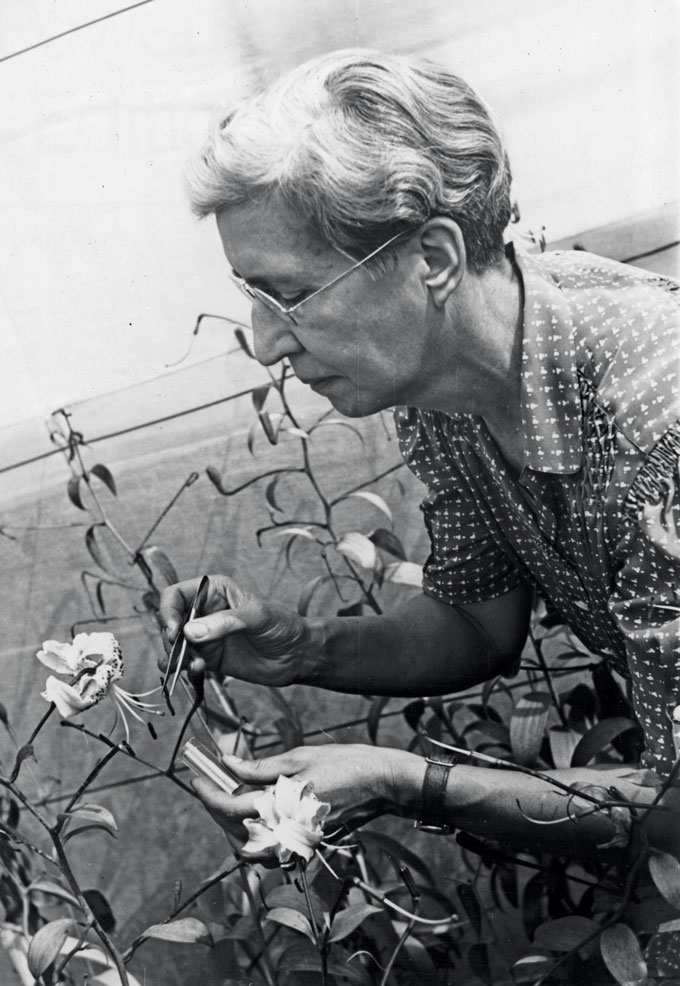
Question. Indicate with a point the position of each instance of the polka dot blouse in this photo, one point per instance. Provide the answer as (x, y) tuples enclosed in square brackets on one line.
[(593, 521)]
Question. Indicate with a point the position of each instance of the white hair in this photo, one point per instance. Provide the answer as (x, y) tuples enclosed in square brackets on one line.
[(364, 145)]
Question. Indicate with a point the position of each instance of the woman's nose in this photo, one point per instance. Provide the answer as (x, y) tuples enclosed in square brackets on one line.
[(274, 338)]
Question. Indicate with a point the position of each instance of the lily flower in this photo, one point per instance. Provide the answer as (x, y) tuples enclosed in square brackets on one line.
[(290, 821), (95, 663)]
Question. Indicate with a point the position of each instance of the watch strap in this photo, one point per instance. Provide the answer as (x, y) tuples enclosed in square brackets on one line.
[(433, 814)]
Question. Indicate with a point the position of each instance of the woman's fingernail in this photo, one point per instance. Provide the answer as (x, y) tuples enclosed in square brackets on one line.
[(197, 630)]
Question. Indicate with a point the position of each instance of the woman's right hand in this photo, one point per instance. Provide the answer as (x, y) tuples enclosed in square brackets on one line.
[(237, 634)]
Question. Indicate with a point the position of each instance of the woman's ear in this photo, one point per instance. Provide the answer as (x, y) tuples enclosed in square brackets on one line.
[(443, 248)]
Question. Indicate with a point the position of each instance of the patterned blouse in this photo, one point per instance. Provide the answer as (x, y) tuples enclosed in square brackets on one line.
[(593, 521)]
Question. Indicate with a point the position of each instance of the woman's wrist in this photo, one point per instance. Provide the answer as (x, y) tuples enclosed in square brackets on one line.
[(403, 777)]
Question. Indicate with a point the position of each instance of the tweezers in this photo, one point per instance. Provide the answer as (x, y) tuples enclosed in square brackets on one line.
[(179, 647)]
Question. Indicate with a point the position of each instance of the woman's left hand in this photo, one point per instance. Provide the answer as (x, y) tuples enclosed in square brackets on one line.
[(358, 781)]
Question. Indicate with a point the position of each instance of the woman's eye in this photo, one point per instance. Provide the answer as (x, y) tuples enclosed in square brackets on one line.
[(293, 299)]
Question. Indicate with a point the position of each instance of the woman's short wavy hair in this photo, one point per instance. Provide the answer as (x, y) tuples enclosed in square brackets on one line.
[(364, 145)]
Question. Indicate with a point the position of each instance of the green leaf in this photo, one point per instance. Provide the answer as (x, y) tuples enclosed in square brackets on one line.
[(46, 944), (23, 753), (358, 549), (186, 930), (84, 817), (623, 956), (269, 493), (309, 590), (376, 500), (291, 919), (243, 343), (259, 396), (348, 920), (336, 422), (470, 904), (54, 890), (101, 909), (665, 872), (157, 560), (287, 895), (563, 742), (388, 541), (102, 473), (73, 490), (374, 714), (527, 726), (478, 958), (565, 934), (268, 427), (404, 573), (94, 549), (598, 738), (304, 957)]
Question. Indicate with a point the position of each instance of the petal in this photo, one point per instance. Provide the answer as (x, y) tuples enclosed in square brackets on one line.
[(287, 795), (311, 811), (62, 658), (265, 806), (261, 839), (296, 838), (64, 696)]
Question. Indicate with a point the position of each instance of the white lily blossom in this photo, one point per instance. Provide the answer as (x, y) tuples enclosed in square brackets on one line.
[(290, 821), (95, 663)]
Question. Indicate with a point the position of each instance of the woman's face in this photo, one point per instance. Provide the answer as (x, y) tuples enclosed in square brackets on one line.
[(362, 342)]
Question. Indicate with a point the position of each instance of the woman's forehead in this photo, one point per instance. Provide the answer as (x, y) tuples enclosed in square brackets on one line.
[(263, 239)]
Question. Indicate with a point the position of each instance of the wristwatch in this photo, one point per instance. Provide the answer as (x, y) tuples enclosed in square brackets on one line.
[(433, 800)]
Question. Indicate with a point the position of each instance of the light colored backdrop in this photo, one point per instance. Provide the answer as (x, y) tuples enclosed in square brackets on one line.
[(102, 269)]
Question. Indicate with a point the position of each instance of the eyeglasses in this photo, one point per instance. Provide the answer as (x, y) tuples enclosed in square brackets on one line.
[(257, 294)]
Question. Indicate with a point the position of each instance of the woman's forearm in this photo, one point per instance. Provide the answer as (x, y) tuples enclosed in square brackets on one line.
[(424, 648), (526, 812)]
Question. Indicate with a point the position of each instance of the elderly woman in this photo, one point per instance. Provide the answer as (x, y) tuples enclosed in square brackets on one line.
[(361, 201)]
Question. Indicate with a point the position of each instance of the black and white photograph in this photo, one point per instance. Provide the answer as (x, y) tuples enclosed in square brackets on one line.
[(340, 493)]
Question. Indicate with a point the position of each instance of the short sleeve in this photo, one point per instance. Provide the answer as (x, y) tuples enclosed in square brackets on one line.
[(465, 564), (646, 598)]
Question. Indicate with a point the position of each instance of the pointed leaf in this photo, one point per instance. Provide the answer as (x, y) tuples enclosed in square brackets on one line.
[(158, 561), (243, 343), (373, 717), (665, 872), (101, 472), (382, 538), (309, 590), (302, 532), (348, 920), (470, 904), (376, 500), (73, 490), (359, 549), (303, 957), (291, 919), (478, 958), (287, 895), (563, 742), (405, 573), (599, 737), (46, 944), (564, 934), (94, 549), (297, 432), (527, 726), (99, 593), (101, 909), (87, 816), (55, 890), (269, 493), (187, 930), (268, 427), (259, 396), (23, 753), (623, 956)]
